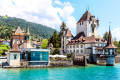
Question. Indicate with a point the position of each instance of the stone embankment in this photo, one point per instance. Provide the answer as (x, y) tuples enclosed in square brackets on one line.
[(117, 59)]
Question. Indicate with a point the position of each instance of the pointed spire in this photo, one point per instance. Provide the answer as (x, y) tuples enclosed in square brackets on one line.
[(109, 26), (27, 30), (110, 41), (15, 48)]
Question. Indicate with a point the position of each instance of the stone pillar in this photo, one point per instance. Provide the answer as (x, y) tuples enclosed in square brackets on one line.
[(110, 60)]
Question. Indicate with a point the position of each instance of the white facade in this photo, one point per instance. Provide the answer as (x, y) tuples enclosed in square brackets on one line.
[(64, 41), (86, 27), (78, 48), (13, 59)]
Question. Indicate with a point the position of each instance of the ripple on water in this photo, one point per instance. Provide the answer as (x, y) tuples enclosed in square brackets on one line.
[(92, 72)]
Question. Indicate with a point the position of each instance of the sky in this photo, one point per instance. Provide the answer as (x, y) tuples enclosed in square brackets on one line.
[(52, 12)]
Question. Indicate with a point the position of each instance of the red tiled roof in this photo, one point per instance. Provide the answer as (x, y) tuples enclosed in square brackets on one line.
[(86, 17), (15, 48), (80, 34), (68, 33), (90, 39)]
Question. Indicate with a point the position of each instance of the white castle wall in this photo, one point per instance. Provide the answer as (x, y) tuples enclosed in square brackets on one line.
[(86, 28)]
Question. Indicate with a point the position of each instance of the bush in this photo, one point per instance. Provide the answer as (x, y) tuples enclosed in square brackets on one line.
[(69, 59), (69, 55), (3, 49), (53, 59), (56, 51)]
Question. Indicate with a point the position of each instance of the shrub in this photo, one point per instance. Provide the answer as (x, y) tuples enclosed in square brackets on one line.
[(53, 59), (56, 51), (69, 59), (69, 55)]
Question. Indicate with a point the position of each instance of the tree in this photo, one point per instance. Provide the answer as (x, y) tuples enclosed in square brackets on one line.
[(55, 40), (3, 49), (62, 29), (44, 43), (56, 51), (116, 43), (31, 38), (105, 35)]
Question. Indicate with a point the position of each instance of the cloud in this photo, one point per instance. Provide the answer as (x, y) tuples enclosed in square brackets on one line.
[(116, 33), (66, 15), (62, 4), (39, 11)]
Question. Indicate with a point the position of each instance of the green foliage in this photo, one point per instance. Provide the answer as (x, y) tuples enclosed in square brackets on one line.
[(31, 38), (55, 40), (116, 43), (44, 43), (3, 49), (53, 59), (62, 28), (36, 30), (56, 51), (69, 59), (5, 32), (69, 55), (105, 35)]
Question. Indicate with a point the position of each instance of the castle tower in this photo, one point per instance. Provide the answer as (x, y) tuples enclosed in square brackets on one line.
[(67, 36), (27, 34), (17, 35), (110, 51), (87, 24), (13, 57), (27, 43)]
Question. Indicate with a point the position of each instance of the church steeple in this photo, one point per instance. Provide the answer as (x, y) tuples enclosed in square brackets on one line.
[(27, 34), (27, 30), (109, 41)]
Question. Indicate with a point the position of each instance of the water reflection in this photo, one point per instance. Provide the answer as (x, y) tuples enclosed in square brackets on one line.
[(68, 73)]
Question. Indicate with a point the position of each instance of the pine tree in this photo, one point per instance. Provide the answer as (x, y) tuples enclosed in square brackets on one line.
[(55, 40), (62, 28)]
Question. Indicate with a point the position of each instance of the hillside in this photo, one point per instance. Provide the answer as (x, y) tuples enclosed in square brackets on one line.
[(35, 29)]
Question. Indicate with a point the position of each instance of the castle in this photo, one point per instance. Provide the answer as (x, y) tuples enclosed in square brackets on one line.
[(87, 40)]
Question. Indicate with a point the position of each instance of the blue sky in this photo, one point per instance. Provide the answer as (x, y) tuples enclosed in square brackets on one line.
[(106, 10), (53, 12)]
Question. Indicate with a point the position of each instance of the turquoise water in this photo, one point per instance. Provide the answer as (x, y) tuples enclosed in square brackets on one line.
[(91, 72)]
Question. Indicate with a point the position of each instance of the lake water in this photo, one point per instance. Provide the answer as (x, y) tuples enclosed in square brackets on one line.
[(92, 72)]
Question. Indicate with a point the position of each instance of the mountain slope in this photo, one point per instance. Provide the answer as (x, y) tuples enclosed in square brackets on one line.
[(37, 30)]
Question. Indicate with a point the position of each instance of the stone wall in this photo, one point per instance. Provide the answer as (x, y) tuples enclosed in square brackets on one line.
[(117, 59), (61, 63)]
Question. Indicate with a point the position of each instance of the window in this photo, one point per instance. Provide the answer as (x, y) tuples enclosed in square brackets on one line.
[(34, 54), (77, 46), (67, 46), (81, 46), (67, 51), (15, 56), (77, 51), (81, 51), (73, 46)]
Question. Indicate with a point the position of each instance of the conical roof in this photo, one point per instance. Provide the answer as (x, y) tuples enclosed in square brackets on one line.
[(27, 30), (86, 17), (109, 41), (15, 48), (68, 33), (18, 30)]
